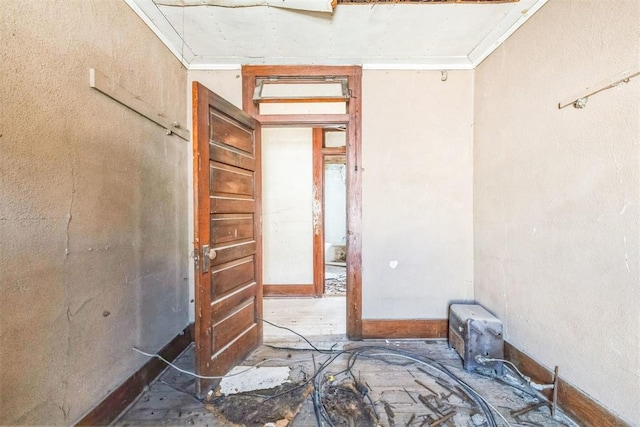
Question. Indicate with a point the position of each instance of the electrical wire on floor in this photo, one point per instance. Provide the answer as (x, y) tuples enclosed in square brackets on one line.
[(208, 377), (331, 350), (320, 410), (382, 353)]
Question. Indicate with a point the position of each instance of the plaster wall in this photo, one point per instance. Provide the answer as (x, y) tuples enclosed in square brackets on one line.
[(335, 204), (417, 236), (287, 206), (556, 193), (93, 206)]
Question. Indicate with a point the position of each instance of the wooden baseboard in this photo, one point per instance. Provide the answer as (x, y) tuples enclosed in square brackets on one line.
[(572, 401), (120, 398), (289, 290), (405, 328)]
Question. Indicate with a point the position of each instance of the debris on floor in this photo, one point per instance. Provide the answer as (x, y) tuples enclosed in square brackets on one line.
[(414, 383), (277, 406), (335, 280), (273, 399), (346, 406), (249, 378)]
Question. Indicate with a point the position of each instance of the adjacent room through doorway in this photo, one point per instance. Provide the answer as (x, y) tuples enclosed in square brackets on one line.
[(304, 204)]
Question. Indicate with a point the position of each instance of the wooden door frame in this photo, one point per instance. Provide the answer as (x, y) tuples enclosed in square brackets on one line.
[(352, 120), (320, 167), (318, 212)]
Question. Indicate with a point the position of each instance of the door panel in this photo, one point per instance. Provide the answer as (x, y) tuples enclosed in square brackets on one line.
[(227, 184), (231, 327), (229, 253), (238, 298), (226, 228), (229, 180), (232, 275), (227, 132), (222, 154)]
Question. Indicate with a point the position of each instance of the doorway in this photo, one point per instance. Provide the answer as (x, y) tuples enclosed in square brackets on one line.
[(335, 213), (304, 231), (287, 97)]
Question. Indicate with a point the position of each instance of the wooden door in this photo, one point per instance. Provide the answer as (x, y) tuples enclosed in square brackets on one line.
[(228, 303)]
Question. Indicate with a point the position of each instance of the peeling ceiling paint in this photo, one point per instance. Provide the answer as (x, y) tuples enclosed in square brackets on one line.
[(393, 36)]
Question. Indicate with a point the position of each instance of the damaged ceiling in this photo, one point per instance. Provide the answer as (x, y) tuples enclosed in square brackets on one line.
[(402, 35)]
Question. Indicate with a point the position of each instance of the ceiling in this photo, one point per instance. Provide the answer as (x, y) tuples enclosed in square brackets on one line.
[(381, 36)]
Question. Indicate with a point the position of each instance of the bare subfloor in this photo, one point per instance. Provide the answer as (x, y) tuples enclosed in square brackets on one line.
[(335, 280), (381, 386)]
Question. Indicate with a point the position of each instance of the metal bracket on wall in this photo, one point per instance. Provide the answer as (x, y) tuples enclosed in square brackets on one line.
[(580, 99), (103, 84)]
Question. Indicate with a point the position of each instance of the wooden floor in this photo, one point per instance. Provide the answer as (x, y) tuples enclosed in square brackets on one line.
[(312, 317), (398, 387)]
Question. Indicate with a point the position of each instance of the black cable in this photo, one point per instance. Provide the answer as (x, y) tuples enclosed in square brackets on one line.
[(357, 352), (300, 335)]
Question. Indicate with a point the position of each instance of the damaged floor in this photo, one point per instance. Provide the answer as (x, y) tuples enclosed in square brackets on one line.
[(357, 384), (335, 280)]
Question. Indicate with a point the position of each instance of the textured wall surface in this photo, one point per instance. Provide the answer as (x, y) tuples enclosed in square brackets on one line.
[(556, 193), (416, 193), (93, 206)]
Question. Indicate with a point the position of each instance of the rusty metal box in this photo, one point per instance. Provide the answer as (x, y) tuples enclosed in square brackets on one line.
[(475, 334)]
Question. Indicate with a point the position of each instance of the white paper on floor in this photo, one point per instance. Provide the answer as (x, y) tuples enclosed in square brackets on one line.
[(260, 378)]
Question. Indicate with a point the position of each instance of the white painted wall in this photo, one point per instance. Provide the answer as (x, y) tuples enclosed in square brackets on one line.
[(417, 193), (556, 196), (287, 203), (335, 204)]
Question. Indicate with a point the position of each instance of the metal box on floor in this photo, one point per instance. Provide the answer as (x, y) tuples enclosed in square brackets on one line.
[(474, 332)]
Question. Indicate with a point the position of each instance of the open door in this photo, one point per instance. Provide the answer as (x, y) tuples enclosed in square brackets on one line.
[(228, 295)]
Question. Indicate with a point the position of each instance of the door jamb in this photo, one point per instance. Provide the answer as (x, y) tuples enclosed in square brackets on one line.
[(318, 212)]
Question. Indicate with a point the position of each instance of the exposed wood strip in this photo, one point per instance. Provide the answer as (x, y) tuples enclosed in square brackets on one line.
[(574, 402), (405, 328), (104, 85)]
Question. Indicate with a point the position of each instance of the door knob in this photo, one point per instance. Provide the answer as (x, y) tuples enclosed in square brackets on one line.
[(212, 254)]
